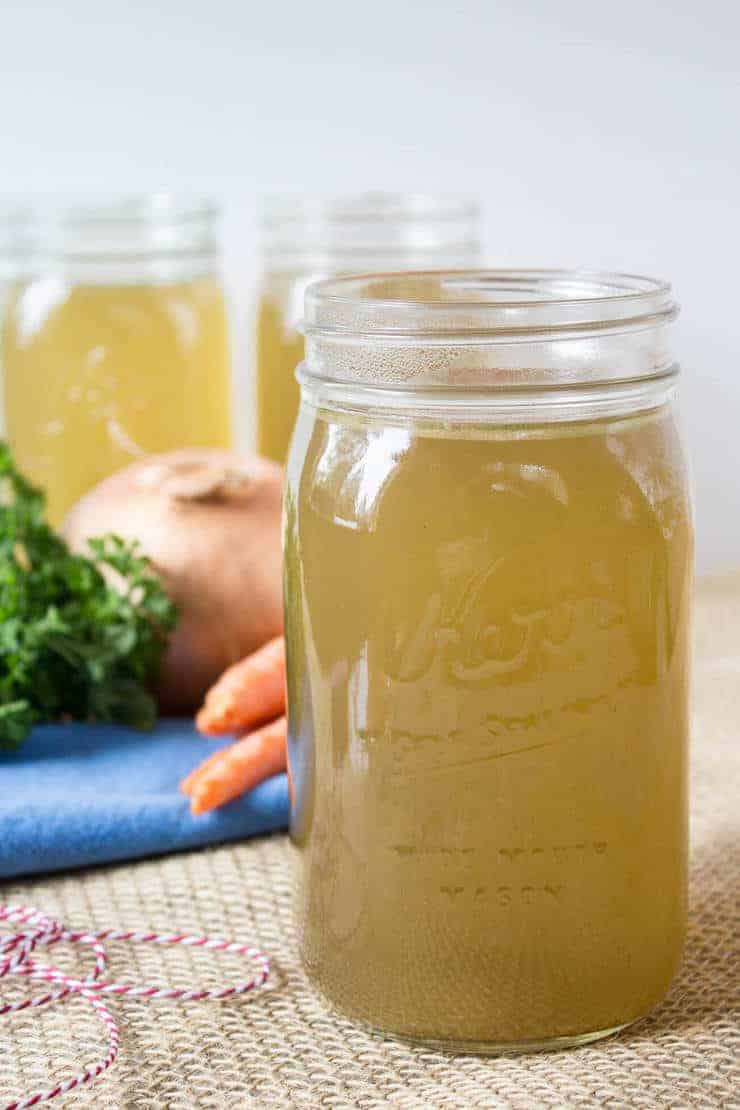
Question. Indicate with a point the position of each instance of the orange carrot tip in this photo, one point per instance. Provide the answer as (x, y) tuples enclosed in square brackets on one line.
[(248, 693), (188, 783), (233, 771)]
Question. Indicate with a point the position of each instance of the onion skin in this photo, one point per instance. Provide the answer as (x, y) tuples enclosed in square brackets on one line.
[(210, 521)]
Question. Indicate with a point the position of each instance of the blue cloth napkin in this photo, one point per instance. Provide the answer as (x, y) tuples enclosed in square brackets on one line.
[(75, 795)]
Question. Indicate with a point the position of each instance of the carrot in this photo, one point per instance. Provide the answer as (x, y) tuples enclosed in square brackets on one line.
[(232, 771), (188, 781), (248, 693)]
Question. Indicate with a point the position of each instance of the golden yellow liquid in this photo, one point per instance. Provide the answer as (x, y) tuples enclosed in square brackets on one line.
[(487, 645), (97, 375), (279, 350)]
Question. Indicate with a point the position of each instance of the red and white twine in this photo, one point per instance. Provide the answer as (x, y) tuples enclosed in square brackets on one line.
[(18, 956)]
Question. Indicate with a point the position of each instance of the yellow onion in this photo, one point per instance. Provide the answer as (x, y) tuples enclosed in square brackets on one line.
[(210, 522)]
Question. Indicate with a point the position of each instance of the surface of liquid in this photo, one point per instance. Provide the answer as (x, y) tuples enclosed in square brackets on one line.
[(279, 350), (487, 643), (97, 375)]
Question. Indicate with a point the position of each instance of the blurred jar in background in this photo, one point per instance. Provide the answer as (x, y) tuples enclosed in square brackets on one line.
[(307, 238), (14, 254), (116, 344)]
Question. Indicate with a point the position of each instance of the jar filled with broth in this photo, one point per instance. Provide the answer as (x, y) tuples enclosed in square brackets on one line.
[(487, 571), (115, 344), (305, 238)]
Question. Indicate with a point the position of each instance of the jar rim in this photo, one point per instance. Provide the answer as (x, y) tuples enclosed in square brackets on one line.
[(372, 230), (132, 208), (15, 218), (341, 208), (485, 303), (134, 225), (488, 329)]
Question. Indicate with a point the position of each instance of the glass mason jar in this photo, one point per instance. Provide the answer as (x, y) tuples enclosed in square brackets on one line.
[(307, 238), (115, 345), (487, 575)]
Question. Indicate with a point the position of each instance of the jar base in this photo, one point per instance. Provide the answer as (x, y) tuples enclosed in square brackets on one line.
[(462, 1047), (516, 1048)]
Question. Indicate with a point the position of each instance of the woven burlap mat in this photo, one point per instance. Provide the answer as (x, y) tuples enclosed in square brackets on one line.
[(283, 1048)]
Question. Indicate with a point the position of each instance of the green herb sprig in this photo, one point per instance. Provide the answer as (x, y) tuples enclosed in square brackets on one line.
[(81, 636)]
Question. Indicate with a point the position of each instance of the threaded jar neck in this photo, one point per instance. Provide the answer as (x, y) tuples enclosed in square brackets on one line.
[(555, 344), (488, 329), (365, 231), (15, 247), (160, 235)]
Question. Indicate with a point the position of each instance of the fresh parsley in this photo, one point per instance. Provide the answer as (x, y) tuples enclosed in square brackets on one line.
[(81, 636)]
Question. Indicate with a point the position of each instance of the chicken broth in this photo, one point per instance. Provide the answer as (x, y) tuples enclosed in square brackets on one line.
[(279, 349), (97, 375), (487, 645)]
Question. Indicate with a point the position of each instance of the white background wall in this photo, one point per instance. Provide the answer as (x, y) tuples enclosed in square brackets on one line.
[(603, 134)]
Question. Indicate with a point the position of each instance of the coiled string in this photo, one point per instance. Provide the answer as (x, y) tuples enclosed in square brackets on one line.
[(36, 930)]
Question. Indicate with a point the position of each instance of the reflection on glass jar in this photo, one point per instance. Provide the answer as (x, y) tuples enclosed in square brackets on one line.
[(305, 238), (116, 345), (488, 562)]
